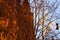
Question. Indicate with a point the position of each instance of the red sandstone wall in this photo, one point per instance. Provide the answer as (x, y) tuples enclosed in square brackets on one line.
[(16, 21)]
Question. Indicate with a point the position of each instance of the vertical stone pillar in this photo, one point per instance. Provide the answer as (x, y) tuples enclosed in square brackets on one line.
[(20, 20), (26, 22)]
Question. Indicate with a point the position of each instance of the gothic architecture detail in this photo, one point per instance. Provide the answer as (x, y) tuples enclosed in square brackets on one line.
[(16, 21)]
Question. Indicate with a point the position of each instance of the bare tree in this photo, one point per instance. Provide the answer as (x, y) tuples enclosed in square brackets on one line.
[(44, 15)]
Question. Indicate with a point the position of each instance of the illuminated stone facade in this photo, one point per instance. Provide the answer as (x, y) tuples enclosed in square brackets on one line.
[(16, 21)]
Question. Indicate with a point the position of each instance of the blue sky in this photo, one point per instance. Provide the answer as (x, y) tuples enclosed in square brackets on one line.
[(58, 21)]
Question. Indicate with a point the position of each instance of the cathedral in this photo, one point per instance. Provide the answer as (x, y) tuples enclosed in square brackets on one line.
[(16, 20)]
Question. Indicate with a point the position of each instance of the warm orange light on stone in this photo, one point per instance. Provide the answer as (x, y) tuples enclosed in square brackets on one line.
[(4, 23), (14, 22), (18, 23), (1, 0)]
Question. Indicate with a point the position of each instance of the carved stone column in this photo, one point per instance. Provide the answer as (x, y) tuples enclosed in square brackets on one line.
[(16, 21)]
